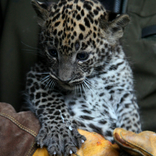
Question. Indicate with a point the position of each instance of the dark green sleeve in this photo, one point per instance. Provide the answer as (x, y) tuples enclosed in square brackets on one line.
[(142, 54), (18, 42), (18, 48), (19, 39)]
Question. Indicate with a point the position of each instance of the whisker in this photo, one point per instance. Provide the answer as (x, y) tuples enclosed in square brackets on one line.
[(43, 42), (86, 85), (52, 84), (29, 46), (42, 73), (90, 84), (81, 90), (77, 89), (88, 81), (33, 50), (46, 86), (46, 78), (29, 50), (47, 83), (83, 87)]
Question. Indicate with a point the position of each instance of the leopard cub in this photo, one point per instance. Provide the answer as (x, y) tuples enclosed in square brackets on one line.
[(83, 79)]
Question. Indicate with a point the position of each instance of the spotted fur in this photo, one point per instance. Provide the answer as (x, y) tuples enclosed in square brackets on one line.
[(83, 80)]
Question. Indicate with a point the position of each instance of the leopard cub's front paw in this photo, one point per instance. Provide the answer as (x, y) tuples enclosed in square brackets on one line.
[(60, 140)]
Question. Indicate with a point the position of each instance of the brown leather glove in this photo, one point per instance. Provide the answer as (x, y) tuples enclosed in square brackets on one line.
[(17, 132), (142, 144)]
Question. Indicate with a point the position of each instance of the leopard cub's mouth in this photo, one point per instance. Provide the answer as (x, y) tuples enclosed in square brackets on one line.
[(68, 85)]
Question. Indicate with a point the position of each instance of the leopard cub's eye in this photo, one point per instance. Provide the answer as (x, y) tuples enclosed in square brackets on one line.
[(53, 52), (82, 56)]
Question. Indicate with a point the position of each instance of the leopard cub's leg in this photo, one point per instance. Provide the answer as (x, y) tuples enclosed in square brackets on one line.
[(58, 130)]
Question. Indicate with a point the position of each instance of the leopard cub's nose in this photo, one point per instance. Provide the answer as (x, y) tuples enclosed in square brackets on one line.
[(65, 80)]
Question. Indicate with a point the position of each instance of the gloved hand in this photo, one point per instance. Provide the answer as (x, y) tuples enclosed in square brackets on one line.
[(142, 144), (17, 132)]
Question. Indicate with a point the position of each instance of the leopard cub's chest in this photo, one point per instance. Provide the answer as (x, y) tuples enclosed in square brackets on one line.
[(93, 108)]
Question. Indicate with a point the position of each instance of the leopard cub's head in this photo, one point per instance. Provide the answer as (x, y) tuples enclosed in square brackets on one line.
[(75, 38)]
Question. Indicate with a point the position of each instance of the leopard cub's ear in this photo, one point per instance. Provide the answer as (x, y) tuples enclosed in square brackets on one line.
[(114, 29), (42, 10)]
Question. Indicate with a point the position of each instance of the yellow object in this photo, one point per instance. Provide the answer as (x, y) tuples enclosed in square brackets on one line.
[(95, 145), (142, 144), (41, 152)]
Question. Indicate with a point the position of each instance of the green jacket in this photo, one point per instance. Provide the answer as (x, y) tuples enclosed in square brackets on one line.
[(141, 53), (18, 42)]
